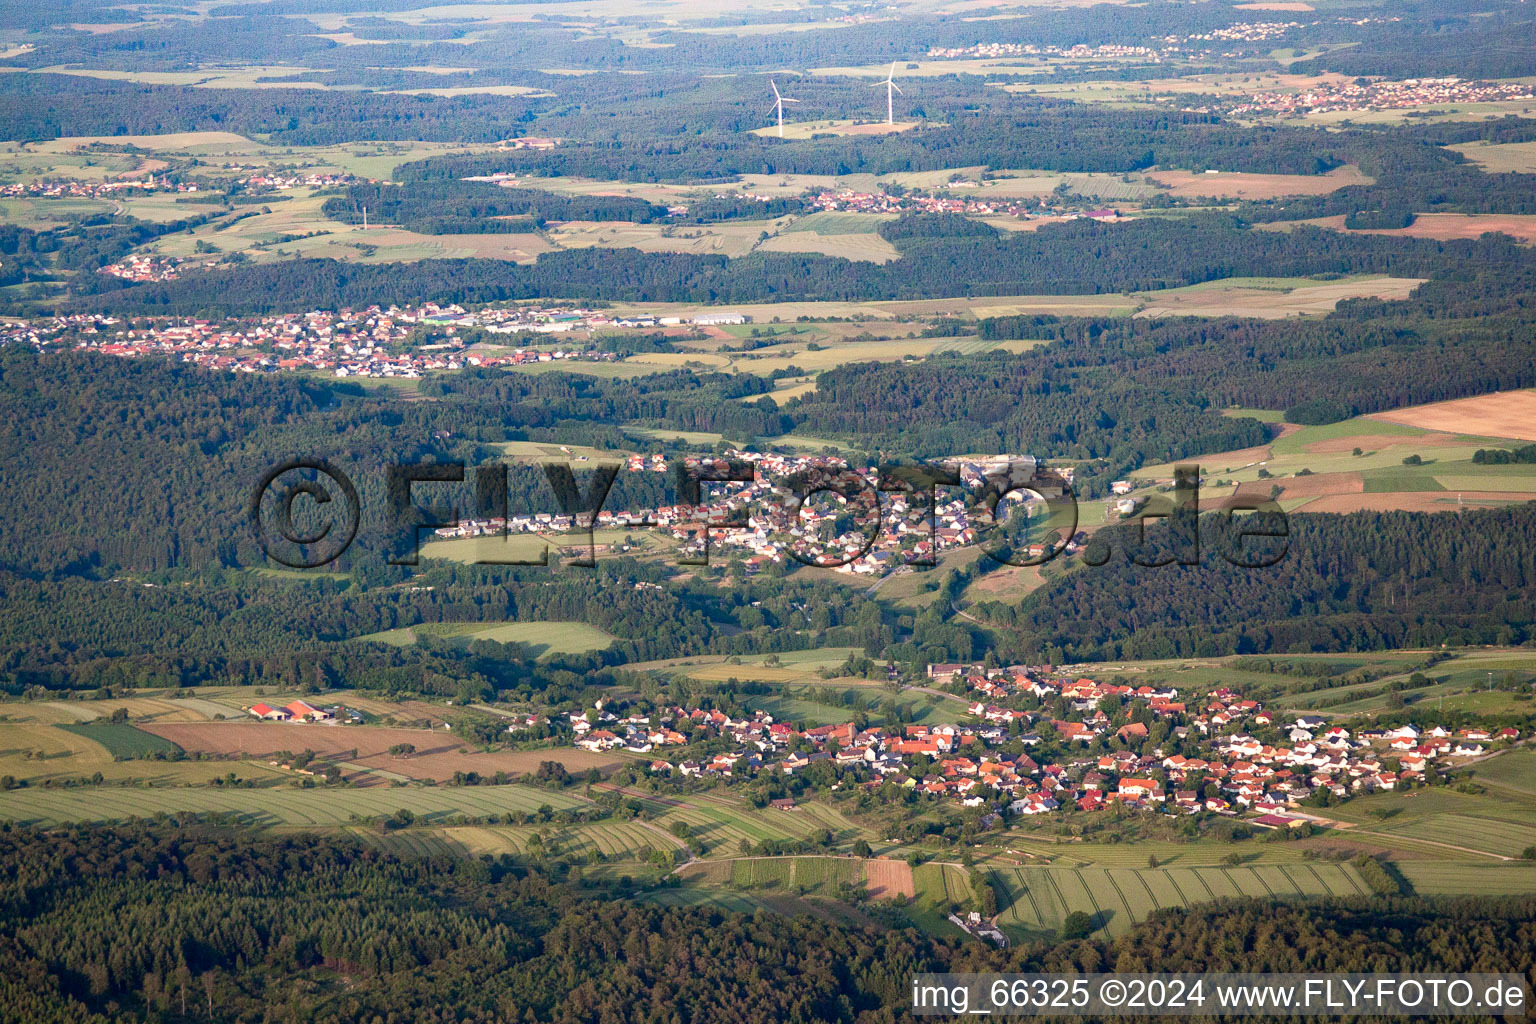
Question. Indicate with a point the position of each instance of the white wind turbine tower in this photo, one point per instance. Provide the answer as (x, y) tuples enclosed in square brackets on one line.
[(890, 84), (778, 102)]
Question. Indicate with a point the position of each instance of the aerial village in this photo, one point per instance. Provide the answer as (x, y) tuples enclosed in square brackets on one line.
[(764, 522), (1329, 97), (1247, 763), (344, 343), (1268, 781), (1171, 46)]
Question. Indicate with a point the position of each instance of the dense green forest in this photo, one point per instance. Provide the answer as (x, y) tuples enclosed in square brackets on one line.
[(148, 464), (1118, 394), (201, 923), (1364, 581), (241, 628)]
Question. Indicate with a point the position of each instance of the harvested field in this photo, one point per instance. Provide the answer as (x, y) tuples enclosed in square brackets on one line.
[(1439, 226), (1502, 414), (807, 129), (437, 754), (1375, 442), (889, 879), (1416, 501), (1258, 186), (1316, 484), (1272, 303), (277, 806)]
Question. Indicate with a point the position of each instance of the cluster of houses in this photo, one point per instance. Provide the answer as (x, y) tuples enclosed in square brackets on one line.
[(271, 182), (147, 267), (345, 343), (1234, 773), (561, 319), (1168, 47), (75, 189), (850, 201), (1326, 97), (768, 521)]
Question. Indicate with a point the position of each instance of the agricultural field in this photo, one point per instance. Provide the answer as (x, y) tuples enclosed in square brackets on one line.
[(1457, 879), (1271, 298), (615, 843), (1153, 91), (364, 159), (1038, 899), (1317, 468), (734, 238), (544, 639), (723, 824), (275, 805), (121, 739), (980, 306), (1457, 825), (1500, 158), (296, 226), (862, 246), (715, 899), (1515, 770), (796, 874), (1187, 184), (811, 129), (936, 889), (1506, 414), (1439, 226), (438, 753)]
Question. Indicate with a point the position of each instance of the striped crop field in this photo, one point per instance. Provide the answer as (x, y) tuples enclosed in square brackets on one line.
[(614, 841), (1437, 879), (1134, 855), (1038, 898), (718, 899), (274, 806), (1513, 770), (722, 826), (412, 842), (796, 872), (938, 887), (1494, 835)]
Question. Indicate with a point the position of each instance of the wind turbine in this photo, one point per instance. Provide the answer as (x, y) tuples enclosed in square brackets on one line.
[(778, 102), (890, 84)]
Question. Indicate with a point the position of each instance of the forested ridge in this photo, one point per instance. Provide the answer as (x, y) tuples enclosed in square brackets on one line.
[(1114, 395), (112, 924), (148, 464), (197, 628), (1363, 581), (1079, 257)]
